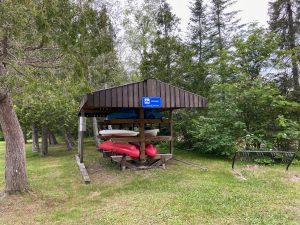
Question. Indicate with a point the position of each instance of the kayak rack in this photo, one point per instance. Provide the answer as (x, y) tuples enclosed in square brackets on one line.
[(127, 162), (138, 99), (144, 161), (265, 157)]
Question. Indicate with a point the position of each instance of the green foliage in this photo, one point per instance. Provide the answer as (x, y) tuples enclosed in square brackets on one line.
[(254, 53), (50, 101), (264, 161), (245, 114), (58, 50), (284, 21), (140, 30), (287, 132), (200, 30), (245, 110), (61, 49), (224, 24), (163, 60)]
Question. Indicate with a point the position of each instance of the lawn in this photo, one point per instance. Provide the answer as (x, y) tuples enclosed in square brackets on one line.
[(181, 194)]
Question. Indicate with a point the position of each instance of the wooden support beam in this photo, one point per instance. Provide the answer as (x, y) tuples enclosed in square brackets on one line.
[(142, 136), (165, 156), (124, 161), (81, 129), (95, 130), (83, 170), (171, 131), (132, 163), (135, 121), (118, 158), (138, 139)]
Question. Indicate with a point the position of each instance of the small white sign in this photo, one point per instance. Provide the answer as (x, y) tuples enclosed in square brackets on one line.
[(147, 101), (82, 124)]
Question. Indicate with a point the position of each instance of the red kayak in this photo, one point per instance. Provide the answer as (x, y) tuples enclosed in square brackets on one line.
[(127, 149), (120, 148), (151, 150)]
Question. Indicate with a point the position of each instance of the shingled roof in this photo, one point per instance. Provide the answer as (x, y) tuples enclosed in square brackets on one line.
[(130, 95)]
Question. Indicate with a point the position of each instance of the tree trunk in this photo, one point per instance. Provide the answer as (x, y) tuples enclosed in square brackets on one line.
[(292, 45), (68, 140), (25, 135), (52, 139), (15, 159), (35, 139), (220, 38), (44, 150)]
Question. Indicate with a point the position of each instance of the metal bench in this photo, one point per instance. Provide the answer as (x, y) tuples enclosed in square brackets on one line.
[(274, 156)]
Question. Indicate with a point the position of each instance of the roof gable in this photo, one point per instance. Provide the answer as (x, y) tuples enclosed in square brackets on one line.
[(130, 96)]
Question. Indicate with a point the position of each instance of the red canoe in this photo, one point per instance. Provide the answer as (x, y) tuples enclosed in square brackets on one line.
[(127, 149)]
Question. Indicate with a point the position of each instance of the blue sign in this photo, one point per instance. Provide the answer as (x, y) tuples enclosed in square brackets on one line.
[(151, 102)]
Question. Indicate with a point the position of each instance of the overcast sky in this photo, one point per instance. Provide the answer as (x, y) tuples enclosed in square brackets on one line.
[(251, 10)]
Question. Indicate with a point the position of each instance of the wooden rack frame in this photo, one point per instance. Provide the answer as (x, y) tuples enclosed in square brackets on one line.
[(129, 96), (143, 161)]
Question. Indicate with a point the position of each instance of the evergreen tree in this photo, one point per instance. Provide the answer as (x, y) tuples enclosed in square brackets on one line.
[(162, 60), (201, 44), (225, 24), (199, 27), (92, 44), (285, 20)]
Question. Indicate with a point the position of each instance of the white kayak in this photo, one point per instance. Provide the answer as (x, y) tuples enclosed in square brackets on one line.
[(151, 133), (122, 133)]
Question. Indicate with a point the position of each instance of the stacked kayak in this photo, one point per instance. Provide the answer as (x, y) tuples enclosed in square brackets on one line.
[(151, 133), (151, 150), (127, 149), (127, 114), (132, 149), (118, 133), (120, 148), (131, 114), (127, 133)]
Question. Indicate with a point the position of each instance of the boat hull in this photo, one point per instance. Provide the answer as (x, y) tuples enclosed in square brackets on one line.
[(151, 150), (127, 149), (120, 148)]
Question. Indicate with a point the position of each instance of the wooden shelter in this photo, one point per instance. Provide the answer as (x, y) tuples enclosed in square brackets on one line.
[(103, 102)]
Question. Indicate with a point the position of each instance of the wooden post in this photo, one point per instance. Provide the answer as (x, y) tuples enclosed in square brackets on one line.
[(83, 171), (81, 129), (95, 130), (171, 131), (142, 136)]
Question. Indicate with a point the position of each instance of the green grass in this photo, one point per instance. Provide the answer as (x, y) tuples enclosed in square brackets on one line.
[(181, 194)]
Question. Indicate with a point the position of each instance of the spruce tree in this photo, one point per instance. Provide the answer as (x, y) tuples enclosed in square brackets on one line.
[(199, 28), (225, 24), (284, 20), (162, 60), (201, 45)]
